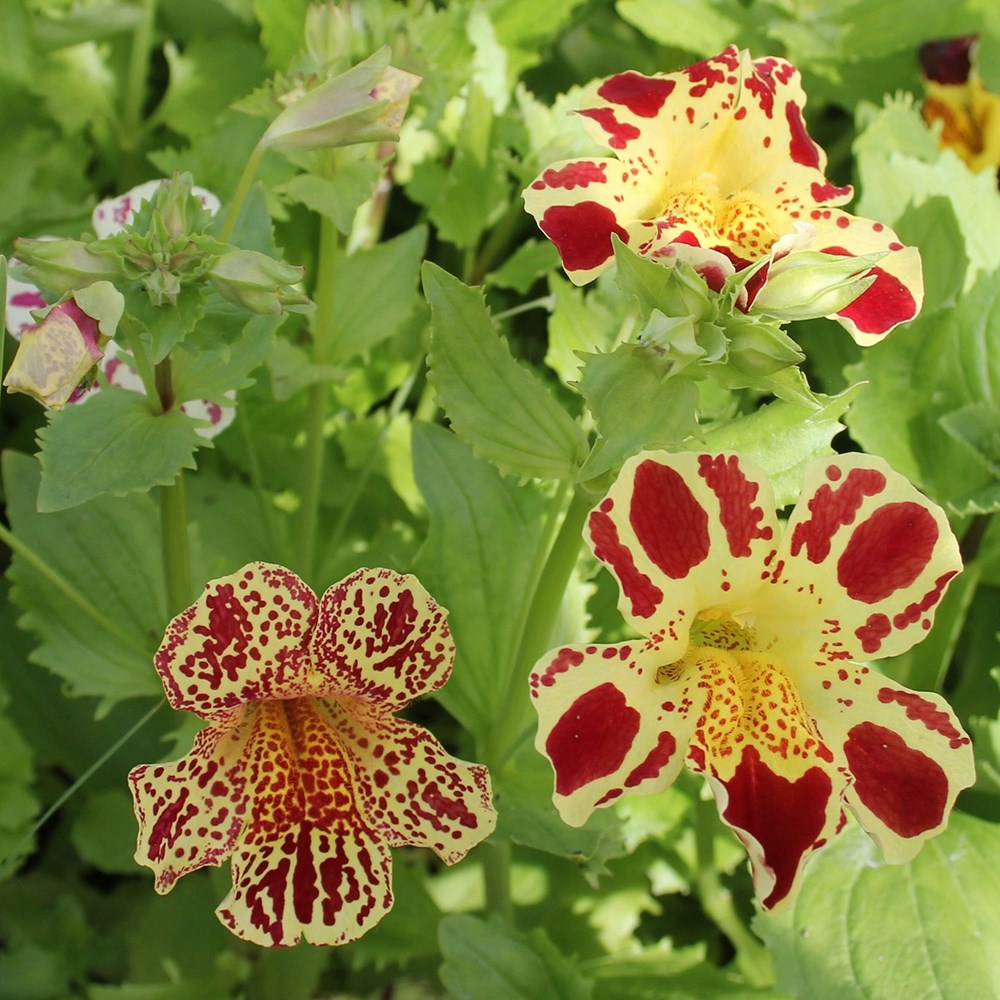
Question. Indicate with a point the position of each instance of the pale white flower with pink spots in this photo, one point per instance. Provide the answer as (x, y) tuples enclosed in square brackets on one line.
[(714, 166), (304, 775)]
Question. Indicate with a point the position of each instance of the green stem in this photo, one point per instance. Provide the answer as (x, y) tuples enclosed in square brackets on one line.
[(78, 784), (64, 587), (174, 540), (264, 504), (547, 596), (499, 237), (752, 957), (239, 196), (129, 166), (496, 872), (324, 346)]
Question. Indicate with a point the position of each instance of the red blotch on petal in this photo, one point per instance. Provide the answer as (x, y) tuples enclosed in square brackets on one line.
[(592, 739), (904, 788), (785, 817), (620, 134), (832, 508), (736, 494), (886, 302), (655, 762), (828, 191), (578, 174), (802, 149), (636, 586), (873, 632), (921, 710), (642, 95), (887, 552), (672, 527), (582, 233)]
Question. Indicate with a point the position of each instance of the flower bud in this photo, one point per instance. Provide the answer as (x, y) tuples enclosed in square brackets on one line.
[(810, 284), (257, 282), (759, 347), (365, 104), (56, 356), (62, 266)]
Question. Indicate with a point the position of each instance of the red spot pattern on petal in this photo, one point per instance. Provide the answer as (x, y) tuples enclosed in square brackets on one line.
[(620, 134), (582, 233), (643, 95), (828, 191), (785, 817), (903, 787), (580, 173), (670, 524), (736, 494), (564, 659), (656, 760), (873, 632), (28, 300), (831, 508), (802, 149), (912, 612), (592, 738), (923, 710), (887, 551), (636, 586), (886, 302)]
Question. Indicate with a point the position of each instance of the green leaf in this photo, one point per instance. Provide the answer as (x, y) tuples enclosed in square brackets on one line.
[(637, 406), (104, 832), (112, 444), (977, 426), (578, 323), (529, 262), (338, 200), (282, 29), (499, 408), (481, 549), (934, 228), (516, 966), (375, 292), (863, 929), (108, 553), (783, 438), (704, 27)]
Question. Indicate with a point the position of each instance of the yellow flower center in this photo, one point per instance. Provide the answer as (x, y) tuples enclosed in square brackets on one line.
[(738, 221), (740, 695)]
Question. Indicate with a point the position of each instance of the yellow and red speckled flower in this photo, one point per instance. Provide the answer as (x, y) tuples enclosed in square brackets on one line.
[(968, 112), (303, 774), (714, 166), (749, 672)]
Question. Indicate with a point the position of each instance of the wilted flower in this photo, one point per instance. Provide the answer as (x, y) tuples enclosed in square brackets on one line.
[(715, 167), (303, 773), (968, 112), (751, 672)]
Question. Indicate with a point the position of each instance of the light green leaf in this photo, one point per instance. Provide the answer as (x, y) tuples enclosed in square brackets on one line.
[(338, 200), (529, 262), (516, 966), (700, 26), (108, 552), (282, 29), (498, 407), (577, 323), (637, 406), (112, 444), (864, 930), (933, 227), (977, 426), (478, 559), (783, 438), (375, 291)]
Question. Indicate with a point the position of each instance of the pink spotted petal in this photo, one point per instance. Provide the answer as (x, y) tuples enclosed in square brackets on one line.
[(23, 299), (308, 864), (605, 724), (682, 533), (411, 791), (781, 820), (114, 214), (906, 751), (244, 640), (191, 811), (581, 204), (381, 637), (898, 290), (862, 567)]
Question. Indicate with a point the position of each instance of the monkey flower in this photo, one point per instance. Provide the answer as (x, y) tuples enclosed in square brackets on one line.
[(303, 773), (751, 668), (714, 166)]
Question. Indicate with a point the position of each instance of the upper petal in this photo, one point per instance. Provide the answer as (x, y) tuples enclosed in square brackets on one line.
[(863, 564), (191, 811), (898, 290), (380, 636), (606, 725), (243, 640), (411, 790), (682, 533), (906, 752)]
